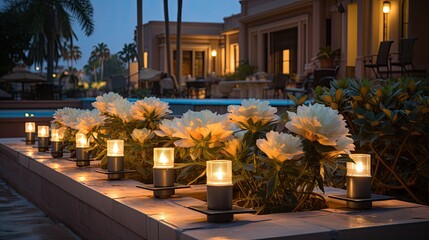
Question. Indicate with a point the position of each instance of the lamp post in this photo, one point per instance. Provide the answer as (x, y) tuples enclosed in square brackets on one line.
[(359, 181), (214, 54), (115, 159), (386, 10), (163, 171), (30, 133), (43, 138)]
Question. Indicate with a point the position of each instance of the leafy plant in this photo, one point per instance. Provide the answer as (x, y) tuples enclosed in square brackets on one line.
[(328, 53), (389, 120)]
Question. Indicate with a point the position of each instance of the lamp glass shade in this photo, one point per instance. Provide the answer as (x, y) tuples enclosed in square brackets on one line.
[(81, 140), (219, 172), (115, 148), (30, 127), (361, 166), (56, 135), (386, 7), (163, 157), (214, 53), (43, 131)]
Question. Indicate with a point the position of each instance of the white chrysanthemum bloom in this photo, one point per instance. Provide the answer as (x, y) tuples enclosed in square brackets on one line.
[(142, 135), (63, 115), (233, 147), (202, 128), (318, 123), (345, 144), (103, 102), (150, 109), (121, 108), (167, 127), (259, 111), (88, 120), (281, 146)]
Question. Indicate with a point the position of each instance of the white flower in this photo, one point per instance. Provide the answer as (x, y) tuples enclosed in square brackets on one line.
[(121, 108), (88, 120), (318, 123), (202, 128), (150, 108), (167, 127), (233, 148), (142, 135), (345, 144), (68, 116), (103, 102), (258, 111), (281, 146)]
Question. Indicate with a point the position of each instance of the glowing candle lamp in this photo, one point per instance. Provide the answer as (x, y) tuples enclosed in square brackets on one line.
[(163, 171), (30, 127), (115, 148), (30, 133), (359, 181), (219, 185), (219, 172), (163, 157), (56, 142), (43, 138), (115, 159), (82, 156), (81, 140)]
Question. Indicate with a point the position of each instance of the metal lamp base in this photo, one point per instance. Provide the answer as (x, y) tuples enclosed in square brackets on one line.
[(359, 188), (219, 197), (82, 157), (163, 177), (115, 164), (57, 149), (30, 138), (43, 144)]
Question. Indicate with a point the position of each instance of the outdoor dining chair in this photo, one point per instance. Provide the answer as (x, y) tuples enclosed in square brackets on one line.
[(379, 63), (404, 58)]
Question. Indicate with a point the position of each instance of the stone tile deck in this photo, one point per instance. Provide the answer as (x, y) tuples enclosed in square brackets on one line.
[(95, 208)]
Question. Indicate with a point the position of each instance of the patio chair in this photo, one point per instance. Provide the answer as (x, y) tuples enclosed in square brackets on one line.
[(404, 58), (278, 86), (381, 60)]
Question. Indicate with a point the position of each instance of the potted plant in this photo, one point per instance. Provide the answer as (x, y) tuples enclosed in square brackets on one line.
[(327, 56)]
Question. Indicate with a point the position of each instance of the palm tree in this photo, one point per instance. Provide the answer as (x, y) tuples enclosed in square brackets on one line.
[(178, 42), (71, 53), (127, 55), (102, 53), (92, 65), (52, 23)]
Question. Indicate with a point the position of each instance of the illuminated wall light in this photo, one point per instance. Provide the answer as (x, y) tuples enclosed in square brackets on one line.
[(386, 7)]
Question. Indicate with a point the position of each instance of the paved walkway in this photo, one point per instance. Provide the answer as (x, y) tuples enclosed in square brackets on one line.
[(20, 219)]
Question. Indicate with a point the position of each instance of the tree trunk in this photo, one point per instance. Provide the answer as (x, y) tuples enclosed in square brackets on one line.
[(178, 44), (139, 38), (167, 38)]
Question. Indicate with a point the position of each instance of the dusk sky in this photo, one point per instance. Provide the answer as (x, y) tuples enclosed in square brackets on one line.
[(115, 20)]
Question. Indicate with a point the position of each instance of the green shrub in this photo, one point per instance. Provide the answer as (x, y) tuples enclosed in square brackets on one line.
[(389, 120)]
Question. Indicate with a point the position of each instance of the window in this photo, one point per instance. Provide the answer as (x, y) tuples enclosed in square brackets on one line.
[(199, 64), (286, 61)]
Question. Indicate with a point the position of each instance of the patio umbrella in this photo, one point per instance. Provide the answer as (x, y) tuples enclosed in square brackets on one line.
[(149, 74), (23, 76)]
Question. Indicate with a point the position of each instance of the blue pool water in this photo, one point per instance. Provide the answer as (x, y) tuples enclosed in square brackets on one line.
[(178, 106)]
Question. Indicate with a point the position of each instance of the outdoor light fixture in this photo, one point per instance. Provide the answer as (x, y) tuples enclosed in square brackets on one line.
[(386, 7), (214, 53), (219, 185), (219, 193), (115, 159), (30, 133), (43, 138), (82, 144), (163, 171), (56, 142), (359, 180), (386, 10)]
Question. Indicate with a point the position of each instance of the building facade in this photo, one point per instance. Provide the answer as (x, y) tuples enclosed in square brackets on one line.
[(285, 36)]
